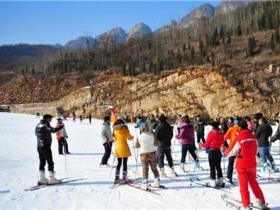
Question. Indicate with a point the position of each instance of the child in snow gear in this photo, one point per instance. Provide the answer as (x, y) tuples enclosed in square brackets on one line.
[(186, 137), (245, 150), (263, 132), (164, 134), (61, 137), (107, 140), (43, 132), (213, 144), (147, 144), (231, 136), (121, 134), (199, 128)]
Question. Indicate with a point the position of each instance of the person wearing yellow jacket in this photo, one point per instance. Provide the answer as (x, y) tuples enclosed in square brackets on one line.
[(121, 135), (230, 135)]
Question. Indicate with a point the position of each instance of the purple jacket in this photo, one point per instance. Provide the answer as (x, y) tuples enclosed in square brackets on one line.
[(186, 135)]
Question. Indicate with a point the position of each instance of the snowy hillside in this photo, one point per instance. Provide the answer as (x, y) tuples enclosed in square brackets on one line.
[(19, 170)]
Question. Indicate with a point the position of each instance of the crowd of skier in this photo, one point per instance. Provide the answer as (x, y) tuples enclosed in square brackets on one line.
[(240, 139)]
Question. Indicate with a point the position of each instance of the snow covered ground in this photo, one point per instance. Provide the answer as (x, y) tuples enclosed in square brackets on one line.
[(19, 170)]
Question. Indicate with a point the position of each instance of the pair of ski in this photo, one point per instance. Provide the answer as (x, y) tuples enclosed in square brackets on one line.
[(137, 186), (237, 204), (217, 187), (61, 181), (272, 179)]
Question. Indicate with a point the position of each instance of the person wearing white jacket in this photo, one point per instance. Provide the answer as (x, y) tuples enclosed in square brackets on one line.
[(107, 141), (147, 144)]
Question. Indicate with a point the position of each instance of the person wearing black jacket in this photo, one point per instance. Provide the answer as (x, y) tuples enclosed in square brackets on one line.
[(164, 134), (199, 128), (43, 132), (263, 132)]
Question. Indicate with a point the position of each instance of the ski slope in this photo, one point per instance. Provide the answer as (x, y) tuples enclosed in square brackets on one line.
[(19, 170)]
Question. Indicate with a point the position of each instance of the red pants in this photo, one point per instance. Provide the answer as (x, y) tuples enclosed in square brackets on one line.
[(248, 176)]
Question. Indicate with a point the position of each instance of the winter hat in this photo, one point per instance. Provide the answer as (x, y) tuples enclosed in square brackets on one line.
[(59, 118)]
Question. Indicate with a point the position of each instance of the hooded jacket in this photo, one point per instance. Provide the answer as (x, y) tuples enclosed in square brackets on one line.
[(121, 135)]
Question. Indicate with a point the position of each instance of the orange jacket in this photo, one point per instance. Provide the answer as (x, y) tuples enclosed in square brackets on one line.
[(231, 136), (121, 135)]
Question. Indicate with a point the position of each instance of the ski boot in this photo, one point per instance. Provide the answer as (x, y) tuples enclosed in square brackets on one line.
[(220, 182), (261, 205), (172, 171), (182, 167), (117, 177), (43, 179), (212, 183), (162, 173), (125, 179), (53, 180), (156, 183), (144, 185)]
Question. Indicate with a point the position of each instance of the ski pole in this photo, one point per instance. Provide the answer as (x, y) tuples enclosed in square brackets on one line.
[(135, 155)]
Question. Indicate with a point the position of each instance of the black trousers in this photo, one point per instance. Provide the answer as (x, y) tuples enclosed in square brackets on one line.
[(185, 148), (45, 155), (62, 143), (199, 137), (122, 161), (230, 167), (161, 152), (215, 157), (107, 154)]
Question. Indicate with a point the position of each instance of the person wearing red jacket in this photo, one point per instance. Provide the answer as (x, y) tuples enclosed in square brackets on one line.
[(245, 150), (213, 144)]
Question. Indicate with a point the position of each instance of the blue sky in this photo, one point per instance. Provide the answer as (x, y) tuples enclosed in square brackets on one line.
[(58, 22)]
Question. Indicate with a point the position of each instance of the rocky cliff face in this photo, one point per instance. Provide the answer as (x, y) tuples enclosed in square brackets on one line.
[(192, 91)]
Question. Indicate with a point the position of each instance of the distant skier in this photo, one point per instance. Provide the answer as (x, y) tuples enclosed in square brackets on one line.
[(245, 150), (121, 134), (213, 144), (61, 137), (164, 134), (147, 144), (199, 128), (107, 140), (186, 137), (81, 118), (89, 118), (74, 116), (44, 140)]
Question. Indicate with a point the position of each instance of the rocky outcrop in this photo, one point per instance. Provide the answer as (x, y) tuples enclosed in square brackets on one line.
[(191, 91)]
